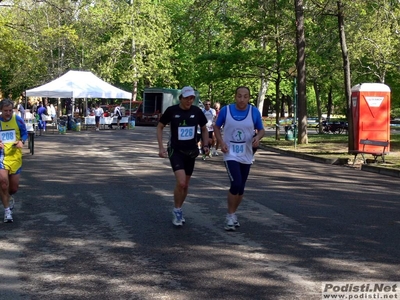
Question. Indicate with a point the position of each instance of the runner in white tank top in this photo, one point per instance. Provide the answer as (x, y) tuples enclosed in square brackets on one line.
[(239, 121)]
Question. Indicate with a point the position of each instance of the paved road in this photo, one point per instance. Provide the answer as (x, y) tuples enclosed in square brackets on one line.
[(92, 221)]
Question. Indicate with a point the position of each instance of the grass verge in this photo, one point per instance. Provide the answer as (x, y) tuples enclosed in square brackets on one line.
[(335, 146)]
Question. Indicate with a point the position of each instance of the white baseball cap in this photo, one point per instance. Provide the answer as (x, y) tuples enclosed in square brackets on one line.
[(187, 91)]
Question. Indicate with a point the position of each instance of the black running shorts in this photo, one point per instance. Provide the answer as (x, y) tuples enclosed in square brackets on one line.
[(181, 161)]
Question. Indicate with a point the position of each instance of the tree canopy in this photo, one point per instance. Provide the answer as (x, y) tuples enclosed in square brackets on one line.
[(213, 45)]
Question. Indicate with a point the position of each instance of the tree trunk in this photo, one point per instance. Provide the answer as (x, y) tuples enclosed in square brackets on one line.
[(318, 99), (133, 54), (289, 103), (346, 70), (301, 74), (263, 85), (277, 106), (262, 92), (283, 105), (277, 82), (330, 103), (210, 92), (134, 91)]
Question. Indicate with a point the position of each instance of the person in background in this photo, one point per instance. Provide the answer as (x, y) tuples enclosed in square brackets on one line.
[(98, 113), (211, 117), (52, 112), (21, 109), (35, 107), (68, 111), (48, 110), (182, 146), (118, 114), (41, 111), (254, 148), (29, 105), (239, 121), (217, 107), (10, 155), (198, 140)]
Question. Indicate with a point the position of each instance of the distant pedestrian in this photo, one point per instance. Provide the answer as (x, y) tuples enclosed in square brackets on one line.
[(21, 109), (239, 121), (98, 113), (41, 112), (182, 146), (217, 107), (68, 110), (118, 114), (88, 111), (35, 106), (211, 117), (52, 112)]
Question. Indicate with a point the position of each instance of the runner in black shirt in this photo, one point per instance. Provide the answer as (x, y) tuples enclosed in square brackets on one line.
[(182, 147)]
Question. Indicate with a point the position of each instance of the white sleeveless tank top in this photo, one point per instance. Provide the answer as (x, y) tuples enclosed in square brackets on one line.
[(238, 136)]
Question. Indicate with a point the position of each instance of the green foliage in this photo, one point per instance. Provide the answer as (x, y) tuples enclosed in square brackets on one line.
[(132, 48), (16, 59), (213, 45)]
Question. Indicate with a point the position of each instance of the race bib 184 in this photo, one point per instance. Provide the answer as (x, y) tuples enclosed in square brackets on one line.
[(237, 148)]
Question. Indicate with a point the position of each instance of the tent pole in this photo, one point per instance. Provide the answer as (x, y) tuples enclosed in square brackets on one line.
[(59, 108), (73, 108)]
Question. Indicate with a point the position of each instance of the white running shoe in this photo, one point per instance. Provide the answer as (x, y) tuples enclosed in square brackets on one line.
[(8, 216), (235, 220), (177, 218), (229, 224)]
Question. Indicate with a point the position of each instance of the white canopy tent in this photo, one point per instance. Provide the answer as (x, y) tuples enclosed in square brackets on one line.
[(78, 84)]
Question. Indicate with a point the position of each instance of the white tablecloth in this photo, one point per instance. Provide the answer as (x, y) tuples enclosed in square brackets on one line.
[(90, 120)]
